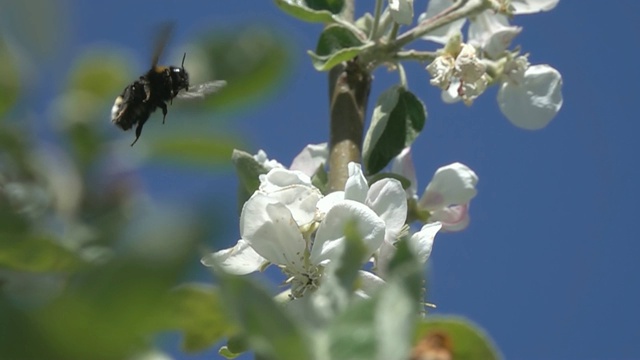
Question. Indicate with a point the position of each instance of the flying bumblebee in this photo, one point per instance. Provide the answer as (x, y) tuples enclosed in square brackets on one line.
[(159, 85)]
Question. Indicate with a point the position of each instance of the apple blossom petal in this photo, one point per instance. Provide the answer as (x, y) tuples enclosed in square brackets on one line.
[(453, 218), (238, 260), (280, 177), (330, 238), (327, 202), (269, 228), (533, 104), (387, 198), (491, 32), (442, 34), (312, 157), (403, 165), (421, 242), (301, 200), (262, 159), (452, 94), (369, 283), (356, 187), (532, 6), (453, 184), (401, 11)]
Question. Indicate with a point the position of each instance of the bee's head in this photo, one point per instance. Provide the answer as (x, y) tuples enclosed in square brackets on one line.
[(180, 76)]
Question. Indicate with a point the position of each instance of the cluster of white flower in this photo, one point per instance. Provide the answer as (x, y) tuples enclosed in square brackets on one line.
[(529, 96), (288, 222)]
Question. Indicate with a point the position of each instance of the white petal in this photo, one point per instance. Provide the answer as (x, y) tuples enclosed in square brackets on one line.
[(356, 187), (369, 283), (535, 103), (453, 218), (301, 200), (442, 34), (491, 32), (238, 260), (453, 184), (326, 203), (401, 11), (403, 165), (311, 158), (532, 6), (422, 241), (280, 177), (452, 94), (262, 159), (388, 199), (271, 231), (330, 238)]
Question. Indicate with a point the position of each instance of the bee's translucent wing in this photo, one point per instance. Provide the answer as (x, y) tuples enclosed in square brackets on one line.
[(201, 90), (162, 38)]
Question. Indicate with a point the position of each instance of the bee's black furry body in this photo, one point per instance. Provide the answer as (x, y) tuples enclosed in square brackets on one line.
[(151, 91)]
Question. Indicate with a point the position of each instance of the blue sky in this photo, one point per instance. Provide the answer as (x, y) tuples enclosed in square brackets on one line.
[(549, 265)]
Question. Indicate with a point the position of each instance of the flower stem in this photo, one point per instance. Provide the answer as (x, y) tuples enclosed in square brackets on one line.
[(349, 87), (376, 20)]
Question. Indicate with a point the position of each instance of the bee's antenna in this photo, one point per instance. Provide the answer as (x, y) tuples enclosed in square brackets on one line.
[(183, 57)]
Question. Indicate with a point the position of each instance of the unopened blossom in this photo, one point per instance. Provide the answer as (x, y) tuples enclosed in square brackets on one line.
[(447, 197), (401, 11)]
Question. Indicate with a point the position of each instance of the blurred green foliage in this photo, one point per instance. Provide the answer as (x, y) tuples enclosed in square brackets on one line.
[(90, 263)]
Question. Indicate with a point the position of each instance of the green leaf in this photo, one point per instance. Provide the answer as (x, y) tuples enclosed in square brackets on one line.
[(226, 353), (301, 11), (109, 312), (336, 44), (397, 120), (36, 253), (196, 310), (268, 328), (9, 78), (236, 345), (333, 6), (199, 150), (320, 179), (253, 60), (396, 316), (353, 334), (464, 339), (248, 170), (102, 72)]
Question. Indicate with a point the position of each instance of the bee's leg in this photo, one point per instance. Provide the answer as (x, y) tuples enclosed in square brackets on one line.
[(138, 131), (163, 106), (147, 90)]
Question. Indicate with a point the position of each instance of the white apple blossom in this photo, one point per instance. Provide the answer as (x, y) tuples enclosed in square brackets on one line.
[(463, 78), (280, 224), (529, 97)]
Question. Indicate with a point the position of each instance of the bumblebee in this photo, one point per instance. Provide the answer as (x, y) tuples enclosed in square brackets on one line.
[(159, 85)]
